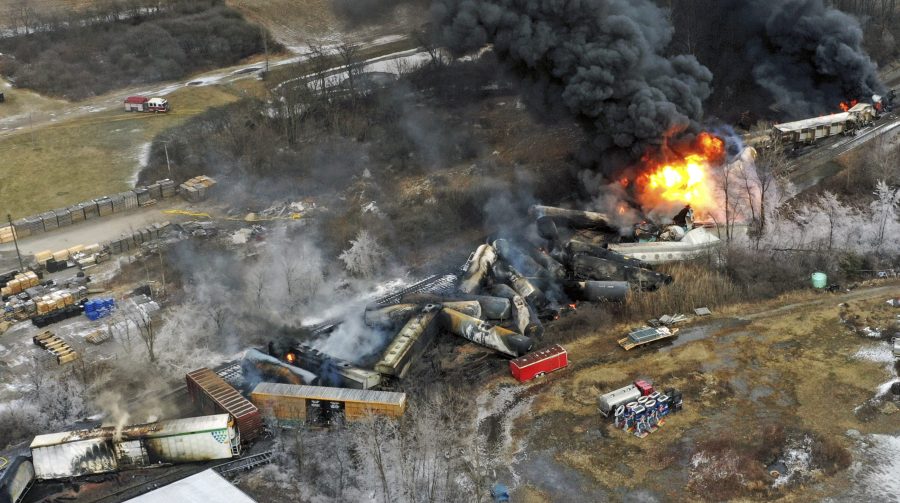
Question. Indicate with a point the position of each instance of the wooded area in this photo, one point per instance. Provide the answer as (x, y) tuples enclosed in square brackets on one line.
[(77, 55)]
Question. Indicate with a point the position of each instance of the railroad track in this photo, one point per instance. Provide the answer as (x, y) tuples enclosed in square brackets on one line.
[(435, 283), (244, 464)]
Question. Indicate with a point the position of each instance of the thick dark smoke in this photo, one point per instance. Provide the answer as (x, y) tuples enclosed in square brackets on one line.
[(799, 55), (601, 60), (810, 57)]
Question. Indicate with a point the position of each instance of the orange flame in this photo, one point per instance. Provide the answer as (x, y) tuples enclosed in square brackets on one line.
[(291, 357), (685, 179), (847, 106)]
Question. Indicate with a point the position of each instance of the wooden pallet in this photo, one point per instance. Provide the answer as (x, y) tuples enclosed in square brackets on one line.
[(60, 348)]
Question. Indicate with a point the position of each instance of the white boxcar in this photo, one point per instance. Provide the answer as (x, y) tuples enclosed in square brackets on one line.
[(84, 452)]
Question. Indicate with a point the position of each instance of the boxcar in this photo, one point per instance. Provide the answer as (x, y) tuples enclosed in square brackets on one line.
[(320, 405), (100, 450), (212, 395)]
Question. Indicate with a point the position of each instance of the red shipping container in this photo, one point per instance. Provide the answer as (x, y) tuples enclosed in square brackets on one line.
[(644, 387), (526, 368)]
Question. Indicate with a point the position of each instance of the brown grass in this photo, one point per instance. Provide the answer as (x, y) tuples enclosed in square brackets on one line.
[(694, 285)]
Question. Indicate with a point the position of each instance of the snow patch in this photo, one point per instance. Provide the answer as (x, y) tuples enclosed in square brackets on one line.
[(880, 353), (796, 460)]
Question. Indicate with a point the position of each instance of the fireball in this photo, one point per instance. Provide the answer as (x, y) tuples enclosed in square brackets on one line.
[(685, 177)]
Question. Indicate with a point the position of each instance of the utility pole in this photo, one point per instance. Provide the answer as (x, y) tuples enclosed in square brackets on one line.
[(169, 166), (16, 241)]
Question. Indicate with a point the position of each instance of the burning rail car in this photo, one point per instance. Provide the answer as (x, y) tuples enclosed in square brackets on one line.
[(101, 450), (331, 371), (807, 131)]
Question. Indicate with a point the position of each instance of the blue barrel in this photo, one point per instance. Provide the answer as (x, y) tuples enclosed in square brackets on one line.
[(819, 279)]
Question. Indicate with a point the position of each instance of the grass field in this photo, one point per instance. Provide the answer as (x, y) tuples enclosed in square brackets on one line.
[(91, 155), (794, 368)]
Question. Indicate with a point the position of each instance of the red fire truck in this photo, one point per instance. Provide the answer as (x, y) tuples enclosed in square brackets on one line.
[(538, 363), (145, 104)]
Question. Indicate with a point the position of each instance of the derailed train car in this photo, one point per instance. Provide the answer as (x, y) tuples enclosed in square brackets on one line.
[(100, 450), (324, 406), (16, 478)]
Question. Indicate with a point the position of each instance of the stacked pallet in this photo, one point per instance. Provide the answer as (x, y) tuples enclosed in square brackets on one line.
[(60, 348), (90, 209), (63, 217), (54, 301), (98, 337), (7, 234), (104, 206), (197, 188), (49, 220), (19, 283), (133, 241)]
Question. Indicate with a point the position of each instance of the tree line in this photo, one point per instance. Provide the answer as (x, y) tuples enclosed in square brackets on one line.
[(122, 43)]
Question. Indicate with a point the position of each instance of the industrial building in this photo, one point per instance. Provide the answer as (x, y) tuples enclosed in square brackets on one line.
[(100, 450)]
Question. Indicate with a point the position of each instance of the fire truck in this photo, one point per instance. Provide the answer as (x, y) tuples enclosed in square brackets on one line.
[(145, 104)]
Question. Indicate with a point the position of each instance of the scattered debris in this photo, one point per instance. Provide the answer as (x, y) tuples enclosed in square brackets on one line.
[(702, 311)]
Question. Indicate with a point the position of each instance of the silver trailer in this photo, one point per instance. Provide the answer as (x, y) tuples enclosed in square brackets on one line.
[(621, 396)]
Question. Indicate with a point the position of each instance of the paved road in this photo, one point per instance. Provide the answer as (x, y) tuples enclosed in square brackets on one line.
[(24, 123), (90, 232)]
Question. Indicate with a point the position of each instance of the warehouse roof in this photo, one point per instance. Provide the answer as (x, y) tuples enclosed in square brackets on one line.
[(813, 122), (326, 393), (204, 487), (149, 430)]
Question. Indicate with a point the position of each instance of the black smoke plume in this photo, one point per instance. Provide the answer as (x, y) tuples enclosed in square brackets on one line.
[(801, 56), (602, 60)]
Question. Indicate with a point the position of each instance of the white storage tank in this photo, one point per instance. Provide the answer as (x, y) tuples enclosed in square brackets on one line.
[(609, 401)]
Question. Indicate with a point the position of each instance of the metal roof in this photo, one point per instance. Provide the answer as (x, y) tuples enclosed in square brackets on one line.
[(326, 393), (204, 487), (814, 122), (160, 429), (647, 334), (222, 393)]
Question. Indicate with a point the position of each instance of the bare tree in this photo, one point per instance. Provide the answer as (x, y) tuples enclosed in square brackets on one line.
[(427, 42), (352, 63)]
